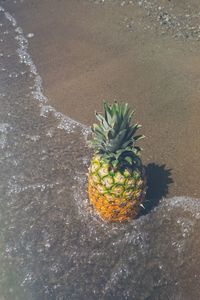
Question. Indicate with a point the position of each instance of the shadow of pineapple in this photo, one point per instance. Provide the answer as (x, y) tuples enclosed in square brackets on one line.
[(159, 179)]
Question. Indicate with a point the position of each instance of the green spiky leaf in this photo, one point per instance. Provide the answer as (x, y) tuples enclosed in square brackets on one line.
[(114, 137)]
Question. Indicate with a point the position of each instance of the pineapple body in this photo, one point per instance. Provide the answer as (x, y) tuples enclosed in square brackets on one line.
[(116, 193), (116, 180)]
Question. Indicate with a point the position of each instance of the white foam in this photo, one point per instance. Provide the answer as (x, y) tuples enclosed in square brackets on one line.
[(30, 35), (4, 128), (14, 187)]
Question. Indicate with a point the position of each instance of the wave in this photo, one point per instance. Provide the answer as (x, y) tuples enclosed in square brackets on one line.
[(66, 122)]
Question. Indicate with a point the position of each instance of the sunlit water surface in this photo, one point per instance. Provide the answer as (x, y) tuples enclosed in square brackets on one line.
[(52, 245)]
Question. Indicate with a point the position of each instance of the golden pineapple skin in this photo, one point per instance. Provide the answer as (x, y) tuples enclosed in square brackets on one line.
[(117, 199)]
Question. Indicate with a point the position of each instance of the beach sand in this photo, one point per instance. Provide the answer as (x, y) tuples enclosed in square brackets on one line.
[(88, 51)]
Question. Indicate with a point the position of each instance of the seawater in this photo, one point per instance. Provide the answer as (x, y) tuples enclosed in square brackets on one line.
[(52, 244)]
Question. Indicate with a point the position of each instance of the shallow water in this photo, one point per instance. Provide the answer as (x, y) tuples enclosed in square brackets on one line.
[(52, 244)]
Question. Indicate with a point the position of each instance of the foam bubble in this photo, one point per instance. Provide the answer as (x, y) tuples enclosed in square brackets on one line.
[(30, 35)]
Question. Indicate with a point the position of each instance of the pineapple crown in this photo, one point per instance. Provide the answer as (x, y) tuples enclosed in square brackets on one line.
[(114, 137)]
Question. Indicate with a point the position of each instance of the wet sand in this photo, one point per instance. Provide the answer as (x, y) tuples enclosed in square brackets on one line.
[(87, 51)]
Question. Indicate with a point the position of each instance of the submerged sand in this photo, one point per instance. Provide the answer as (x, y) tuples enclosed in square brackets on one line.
[(143, 52)]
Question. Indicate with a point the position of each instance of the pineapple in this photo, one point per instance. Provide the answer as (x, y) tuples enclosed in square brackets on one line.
[(116, 179)]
